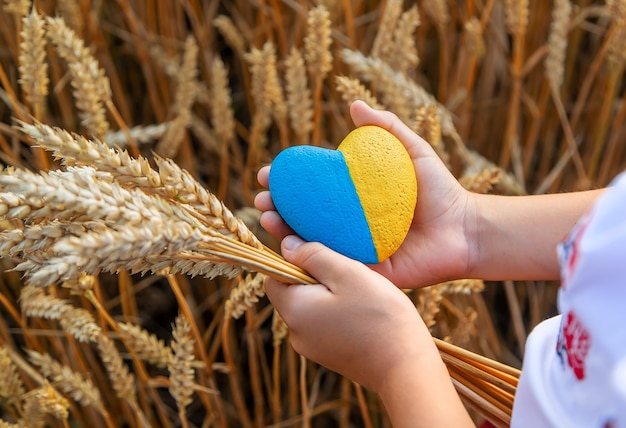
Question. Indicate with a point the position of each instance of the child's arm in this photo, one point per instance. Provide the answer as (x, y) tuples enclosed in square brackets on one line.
[(359, 324), (515, 237)]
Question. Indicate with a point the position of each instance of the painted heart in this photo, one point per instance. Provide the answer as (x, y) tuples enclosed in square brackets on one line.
[(358, 200)]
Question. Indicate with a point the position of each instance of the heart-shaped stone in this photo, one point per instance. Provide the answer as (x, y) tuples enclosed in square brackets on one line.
[(358, 200)]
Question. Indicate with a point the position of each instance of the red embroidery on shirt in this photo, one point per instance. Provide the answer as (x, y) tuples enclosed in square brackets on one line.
[(577, 342), (569, 249)]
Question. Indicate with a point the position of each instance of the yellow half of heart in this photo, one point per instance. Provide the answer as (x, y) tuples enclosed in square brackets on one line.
[(384, 177)]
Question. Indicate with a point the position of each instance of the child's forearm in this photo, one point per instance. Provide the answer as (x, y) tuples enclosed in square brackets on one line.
[(422, 395), (516, 236)]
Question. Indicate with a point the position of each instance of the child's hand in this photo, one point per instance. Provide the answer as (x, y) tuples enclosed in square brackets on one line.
[(362, 326), (436, 248), (355, 322)]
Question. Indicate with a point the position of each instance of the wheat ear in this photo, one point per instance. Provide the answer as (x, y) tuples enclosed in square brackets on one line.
[(77, 386), (11, 384), (384, 43), (318, 56), (352, 89), (557, 42), (403, 52), (18, 8), (91, 87), (299, 97), (181, 366), (42, 401), (145, 345), (187, 87), (33, 67)]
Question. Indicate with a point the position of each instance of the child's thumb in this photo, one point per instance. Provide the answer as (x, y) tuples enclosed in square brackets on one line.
[(322, 263)]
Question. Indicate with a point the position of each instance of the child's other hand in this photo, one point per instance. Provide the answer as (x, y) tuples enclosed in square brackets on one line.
[(355, 322), (437, 247)]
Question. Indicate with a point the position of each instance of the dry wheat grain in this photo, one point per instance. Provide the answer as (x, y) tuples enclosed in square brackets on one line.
[(11, 384), (19, 8), (384, 43), (80, 388), (222, 115), (187, 87), (438, 11), (245, 294), (317, 43), (91, 87), (231, 34), (465, 328), (258, 61), (403, 52), (181, 365), (299, 97), (557, 42), (274, 93), (462, 286), (428, 127), (146, 345), (481, 182), (141, 134), (44, 400), (516, 16), (428, 303), (616, 55), (398, 90), (475, 39), (79, 322), (170, 181), (279, 329), (352, 89), (33, 66), (122, 381)]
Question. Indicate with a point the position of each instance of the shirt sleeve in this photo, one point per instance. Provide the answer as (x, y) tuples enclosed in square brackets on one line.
[(574, 371)]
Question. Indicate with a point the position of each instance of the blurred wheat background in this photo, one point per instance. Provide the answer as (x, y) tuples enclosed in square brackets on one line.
[(130, 136)]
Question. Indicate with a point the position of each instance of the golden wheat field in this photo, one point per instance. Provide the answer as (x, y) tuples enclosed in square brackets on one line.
[(131, 291)]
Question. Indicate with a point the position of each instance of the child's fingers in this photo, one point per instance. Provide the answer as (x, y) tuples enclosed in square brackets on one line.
[(275, 225), (327, 266), (263, 176), (263, 201), (297, 304)]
